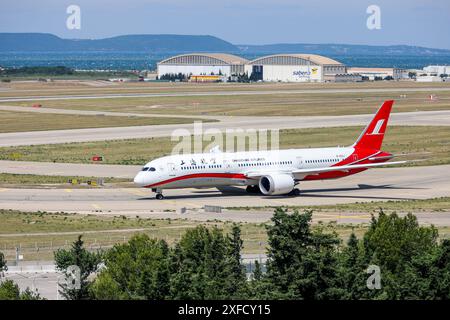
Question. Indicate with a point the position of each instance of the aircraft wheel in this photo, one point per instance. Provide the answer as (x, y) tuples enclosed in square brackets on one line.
[(159, 196), (253, 189), (294, 192)]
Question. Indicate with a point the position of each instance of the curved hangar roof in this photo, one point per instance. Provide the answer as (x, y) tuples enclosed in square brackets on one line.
[(295, 59), (208, 59)]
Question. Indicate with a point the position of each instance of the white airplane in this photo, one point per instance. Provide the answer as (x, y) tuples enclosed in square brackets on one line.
[(270, 172)]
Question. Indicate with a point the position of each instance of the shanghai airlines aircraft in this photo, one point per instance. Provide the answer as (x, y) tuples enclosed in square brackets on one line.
[(270, 172)]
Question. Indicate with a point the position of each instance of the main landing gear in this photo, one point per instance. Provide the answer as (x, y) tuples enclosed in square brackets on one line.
[(159, 194), (294, 193), (253, 189)]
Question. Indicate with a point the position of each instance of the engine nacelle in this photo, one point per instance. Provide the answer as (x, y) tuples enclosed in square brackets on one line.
[(275, 184)]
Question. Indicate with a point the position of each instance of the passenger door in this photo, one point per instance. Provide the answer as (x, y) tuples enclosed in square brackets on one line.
[(299, 162), (227, 166), (171, 169)]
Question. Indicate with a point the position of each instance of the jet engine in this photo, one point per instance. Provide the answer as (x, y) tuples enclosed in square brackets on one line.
[(275, 184)]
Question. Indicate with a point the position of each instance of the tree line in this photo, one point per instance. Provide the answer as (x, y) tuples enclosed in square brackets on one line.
[(303, 263), (51, 71)]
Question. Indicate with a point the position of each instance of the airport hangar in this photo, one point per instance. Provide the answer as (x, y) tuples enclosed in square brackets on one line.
[(206, 64), (275, 68), (295, 68)]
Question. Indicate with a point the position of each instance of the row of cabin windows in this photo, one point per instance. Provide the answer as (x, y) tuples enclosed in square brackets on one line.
[(321, 160), (264, 163), (214, 166), (202, 167)]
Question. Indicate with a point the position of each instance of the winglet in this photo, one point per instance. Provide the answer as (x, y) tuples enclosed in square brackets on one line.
[(373, 134)]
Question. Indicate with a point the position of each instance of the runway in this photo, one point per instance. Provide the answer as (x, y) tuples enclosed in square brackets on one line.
[(373, 185), (102, 113), (219, 93), (423, 118), (69, 169)]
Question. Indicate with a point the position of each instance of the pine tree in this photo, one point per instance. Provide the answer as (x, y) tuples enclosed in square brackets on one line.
[(3, 266), (135, 270), (302, 264), (76, 257), (352, 270), (9, 290), (236, 281), (257, 273)]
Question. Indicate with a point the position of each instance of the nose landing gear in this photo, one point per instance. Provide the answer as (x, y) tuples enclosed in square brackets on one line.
[(159, 194)]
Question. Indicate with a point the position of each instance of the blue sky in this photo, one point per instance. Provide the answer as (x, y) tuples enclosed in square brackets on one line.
[(412, 22)]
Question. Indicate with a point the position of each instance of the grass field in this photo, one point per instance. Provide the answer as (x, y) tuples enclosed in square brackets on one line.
[(38, 234), (77, 75), (24, 180), (91, 86), (30, 121), (399, 139), (427, 205), (279, 104)]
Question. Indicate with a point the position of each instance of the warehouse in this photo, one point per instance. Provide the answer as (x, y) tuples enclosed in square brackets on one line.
[(198, 64), (380, 73), (438, 70), (294, 68)]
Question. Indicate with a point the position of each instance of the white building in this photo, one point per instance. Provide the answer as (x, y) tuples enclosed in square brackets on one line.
[(438, 70), (373, 73), (428, 78), (202, 64), (346, 77), (293, 68)]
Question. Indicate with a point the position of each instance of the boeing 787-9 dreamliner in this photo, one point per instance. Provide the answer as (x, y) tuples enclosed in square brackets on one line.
[(274, 172)]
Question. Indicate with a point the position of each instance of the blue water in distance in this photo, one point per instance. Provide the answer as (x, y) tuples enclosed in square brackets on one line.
[(147, 61)]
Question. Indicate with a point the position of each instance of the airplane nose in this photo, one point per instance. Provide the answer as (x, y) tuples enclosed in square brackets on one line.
[(139, 179)]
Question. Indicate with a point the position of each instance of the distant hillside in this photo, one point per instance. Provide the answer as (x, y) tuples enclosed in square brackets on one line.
[(164, 43), (340, 49), (168, 43)]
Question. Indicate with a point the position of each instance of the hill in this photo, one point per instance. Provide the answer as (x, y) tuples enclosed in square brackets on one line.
[(341, 49), (171, 43), (156, 43)]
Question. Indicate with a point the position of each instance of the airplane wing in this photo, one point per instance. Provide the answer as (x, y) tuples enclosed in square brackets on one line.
[(311, 171)]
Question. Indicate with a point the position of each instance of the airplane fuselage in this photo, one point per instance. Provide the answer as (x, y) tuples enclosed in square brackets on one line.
[(234, 169), (273, 172)]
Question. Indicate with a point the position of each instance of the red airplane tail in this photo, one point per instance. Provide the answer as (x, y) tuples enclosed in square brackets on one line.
[(373, 134)]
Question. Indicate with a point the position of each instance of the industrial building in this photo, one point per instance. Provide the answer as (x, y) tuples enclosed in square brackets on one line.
[(202, 64), (437, 70), (379, 73), (345, 77), (289, 67), (427, 78), (294, 68)]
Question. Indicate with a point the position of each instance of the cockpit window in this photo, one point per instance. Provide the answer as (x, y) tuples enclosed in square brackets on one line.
[(151, 169), (144, 168)]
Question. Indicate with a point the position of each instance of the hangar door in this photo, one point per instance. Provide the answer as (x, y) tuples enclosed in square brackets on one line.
[(257, 73)]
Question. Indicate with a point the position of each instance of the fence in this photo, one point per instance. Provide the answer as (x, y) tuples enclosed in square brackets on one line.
[(43, 250)]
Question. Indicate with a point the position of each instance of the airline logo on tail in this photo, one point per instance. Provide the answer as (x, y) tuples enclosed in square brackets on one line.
[(377, 128)]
